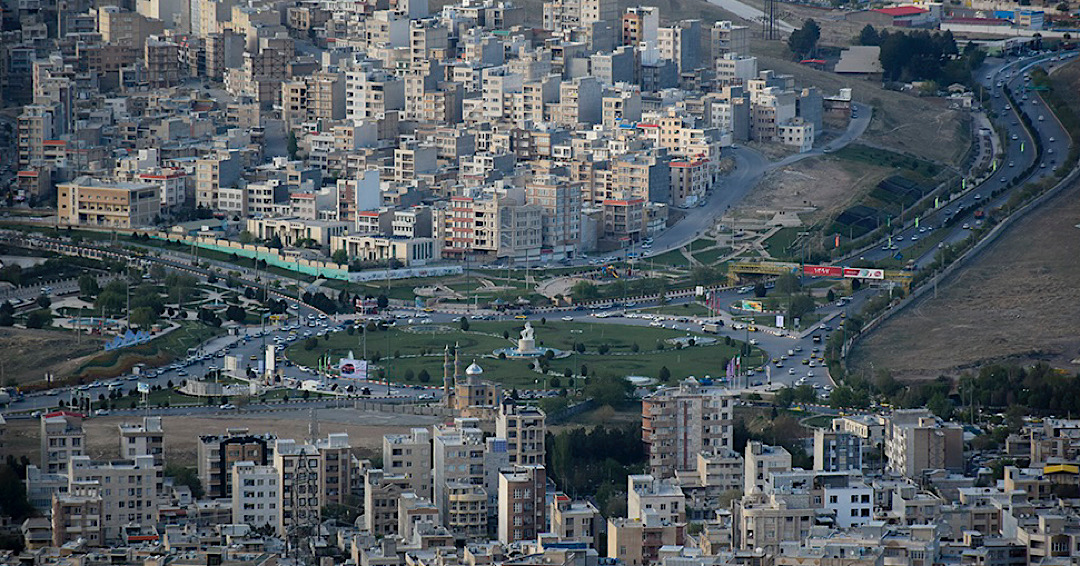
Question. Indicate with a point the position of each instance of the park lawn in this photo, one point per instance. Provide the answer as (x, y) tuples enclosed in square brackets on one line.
[(699, 361), (407, 351), (685, 309), (673, 258), (777, 245), (710, 257)]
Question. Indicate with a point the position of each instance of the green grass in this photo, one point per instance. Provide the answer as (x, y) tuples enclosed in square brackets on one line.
[(684, 309), (484, 337), (158, 351), (711, 256), (819, 421), (673, 258), (875, 156), (779, 243)]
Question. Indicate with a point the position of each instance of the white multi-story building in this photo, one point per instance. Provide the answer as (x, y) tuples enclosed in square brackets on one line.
[(256, 495)]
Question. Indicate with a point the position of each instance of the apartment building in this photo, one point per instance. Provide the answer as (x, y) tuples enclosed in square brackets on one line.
[(762, 460), (522, 508), (382, 496), (728, 38), (916, 441), (655, 517), (679, 422), (211, 175), (218, 453), (837, 451), (523, 427), (718, 474), (76, 517), (575, 520), (143, 439), (335, 469), (411, 252), (255, 496), (62, 438), (410, 454), (319, 96), (129, 491), (299, 479)]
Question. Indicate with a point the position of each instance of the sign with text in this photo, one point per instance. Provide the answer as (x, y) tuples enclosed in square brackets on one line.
[(863, 273), (823, 270)]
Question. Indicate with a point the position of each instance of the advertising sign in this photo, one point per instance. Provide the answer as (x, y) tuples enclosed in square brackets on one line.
[(823, 270), (350, 368), (750, 306), (863, 273)]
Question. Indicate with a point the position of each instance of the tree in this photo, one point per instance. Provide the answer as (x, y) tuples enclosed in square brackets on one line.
[(275, 243), (787, 284), (760, 290), (382, 301), (39, 318), (423, 376), (803, 41), (88, 285), (665, 374), (43, 301), (869, 36), (940, 405), (235, 313), (608, 390), (464, 324), (6, 319), (830, 296), (143, 317), (292, 147), (584, 291), (188, 476), (340, 257), (246, 237), (800, 305)]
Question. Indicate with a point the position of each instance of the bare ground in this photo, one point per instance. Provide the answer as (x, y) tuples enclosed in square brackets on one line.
[(365, 429), (1018, 302), (27, 355), (826, 184)]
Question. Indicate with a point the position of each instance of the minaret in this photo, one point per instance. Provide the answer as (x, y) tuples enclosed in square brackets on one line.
[(448, 377), (457, 363)]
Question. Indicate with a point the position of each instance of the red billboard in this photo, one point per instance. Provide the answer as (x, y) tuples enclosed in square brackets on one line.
[(823, 271)]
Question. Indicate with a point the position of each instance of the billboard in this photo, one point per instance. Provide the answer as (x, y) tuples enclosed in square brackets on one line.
[(754, 306), (863, 273), (350, 368), (823, 270)]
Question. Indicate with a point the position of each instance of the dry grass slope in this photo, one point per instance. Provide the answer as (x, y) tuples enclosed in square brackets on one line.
[(1018, 302)]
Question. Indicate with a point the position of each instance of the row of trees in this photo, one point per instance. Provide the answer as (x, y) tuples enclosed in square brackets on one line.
[(596, 462), (922, 55)]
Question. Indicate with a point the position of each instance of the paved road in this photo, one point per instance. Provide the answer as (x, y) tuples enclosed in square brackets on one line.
[(1019, 154)]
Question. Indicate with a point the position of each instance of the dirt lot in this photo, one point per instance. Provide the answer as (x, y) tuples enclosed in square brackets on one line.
[(29, 354), (365, 431), (924, 127), (1018, 302), (826, 184)]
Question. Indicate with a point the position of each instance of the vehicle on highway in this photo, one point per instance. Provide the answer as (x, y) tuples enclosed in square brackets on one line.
[(568, 318)]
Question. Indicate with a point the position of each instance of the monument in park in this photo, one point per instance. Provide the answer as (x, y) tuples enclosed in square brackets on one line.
[(526, 346), (527, 342)]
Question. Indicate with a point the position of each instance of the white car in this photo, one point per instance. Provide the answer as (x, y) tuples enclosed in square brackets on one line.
[(568, 318)]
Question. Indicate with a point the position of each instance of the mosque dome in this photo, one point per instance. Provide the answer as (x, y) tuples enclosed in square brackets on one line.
[(474, 369)]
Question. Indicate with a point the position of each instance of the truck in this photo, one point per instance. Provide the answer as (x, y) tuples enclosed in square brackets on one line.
[(712, 327)]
